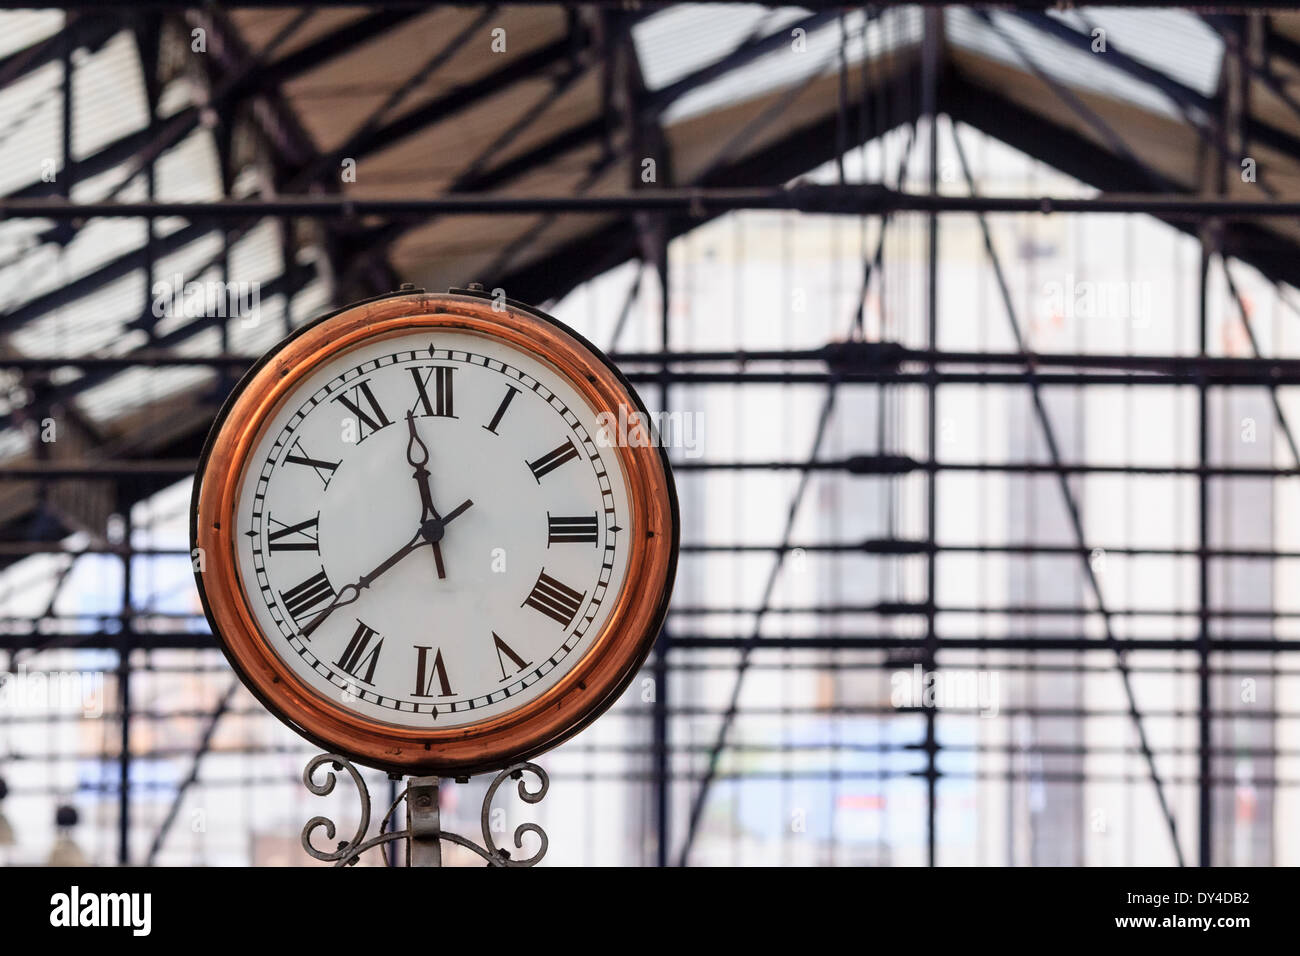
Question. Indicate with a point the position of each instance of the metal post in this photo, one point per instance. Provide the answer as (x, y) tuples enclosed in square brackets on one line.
[(425, 846), (124, 694), (929, 109), (1205, 791)]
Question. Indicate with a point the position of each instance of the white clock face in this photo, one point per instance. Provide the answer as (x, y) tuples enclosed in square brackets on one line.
[(445, 598)]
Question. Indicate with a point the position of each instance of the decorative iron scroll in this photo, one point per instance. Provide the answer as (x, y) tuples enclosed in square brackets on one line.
[(348, 852)]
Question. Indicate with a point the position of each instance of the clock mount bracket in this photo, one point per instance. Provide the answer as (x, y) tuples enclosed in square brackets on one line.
[(423, 835)]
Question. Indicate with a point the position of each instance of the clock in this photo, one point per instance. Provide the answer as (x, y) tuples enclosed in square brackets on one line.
[(427, 539)]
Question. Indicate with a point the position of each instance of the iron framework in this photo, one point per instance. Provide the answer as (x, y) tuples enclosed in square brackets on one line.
[(686, 747)]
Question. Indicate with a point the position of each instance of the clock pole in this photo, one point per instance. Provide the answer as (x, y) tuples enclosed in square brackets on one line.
[(425, 845), (423, 835)]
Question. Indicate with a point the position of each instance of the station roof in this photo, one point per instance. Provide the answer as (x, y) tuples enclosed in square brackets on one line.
[(526, 100)]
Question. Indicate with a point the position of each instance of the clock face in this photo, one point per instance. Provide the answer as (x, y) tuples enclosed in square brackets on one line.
[(423, 550), (432, 528)]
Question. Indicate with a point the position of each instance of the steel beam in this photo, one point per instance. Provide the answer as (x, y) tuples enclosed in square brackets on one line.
[(854, 199)]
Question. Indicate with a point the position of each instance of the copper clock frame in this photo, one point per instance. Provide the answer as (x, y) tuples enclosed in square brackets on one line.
[(615, 654)]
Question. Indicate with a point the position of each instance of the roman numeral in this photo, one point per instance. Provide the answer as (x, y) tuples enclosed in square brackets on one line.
[(303, 536), (553, 459), (554, 599), (423, 683), (511, 392), (504, 648), (371, 417), (302, 599), (359, 653), (439, 404), (580, 529), (324, 469)]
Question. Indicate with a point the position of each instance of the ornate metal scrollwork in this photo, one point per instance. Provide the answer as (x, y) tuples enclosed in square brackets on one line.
[(348, 852), (534, 796)]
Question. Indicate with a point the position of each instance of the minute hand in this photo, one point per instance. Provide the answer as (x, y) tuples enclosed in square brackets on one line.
[(430, 532), (417, 456)]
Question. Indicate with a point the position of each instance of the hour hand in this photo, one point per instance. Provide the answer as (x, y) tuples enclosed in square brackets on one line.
[(432, 530)]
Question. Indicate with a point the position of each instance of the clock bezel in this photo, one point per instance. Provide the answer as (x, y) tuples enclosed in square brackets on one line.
[(580, 696)]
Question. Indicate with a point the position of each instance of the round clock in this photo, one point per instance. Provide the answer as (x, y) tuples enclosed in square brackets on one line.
[(425, 537)]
